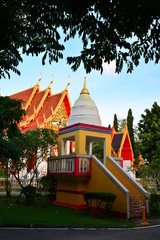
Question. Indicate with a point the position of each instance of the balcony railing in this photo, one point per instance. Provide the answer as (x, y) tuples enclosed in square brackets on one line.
[(74, 165)]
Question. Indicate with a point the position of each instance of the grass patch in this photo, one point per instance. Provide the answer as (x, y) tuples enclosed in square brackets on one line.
[(40, 213)]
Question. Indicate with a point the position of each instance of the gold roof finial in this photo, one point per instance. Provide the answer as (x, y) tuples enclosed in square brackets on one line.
[(84, 90), (40, 78), (68, 82), (52, 78), (51, 81)]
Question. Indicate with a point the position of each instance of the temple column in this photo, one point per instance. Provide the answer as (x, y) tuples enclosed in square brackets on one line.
[(80, 143)]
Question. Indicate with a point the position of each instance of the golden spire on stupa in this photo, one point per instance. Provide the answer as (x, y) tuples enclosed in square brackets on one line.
[(84, 90)]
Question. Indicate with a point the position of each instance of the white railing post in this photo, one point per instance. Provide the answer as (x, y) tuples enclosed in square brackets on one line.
[(79, 164)]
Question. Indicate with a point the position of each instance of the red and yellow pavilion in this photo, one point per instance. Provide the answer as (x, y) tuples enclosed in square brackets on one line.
[(80, 171)]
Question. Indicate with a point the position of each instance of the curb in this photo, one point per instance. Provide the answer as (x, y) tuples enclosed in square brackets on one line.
[(69, 227)]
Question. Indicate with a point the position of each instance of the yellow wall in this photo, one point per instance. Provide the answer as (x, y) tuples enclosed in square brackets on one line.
[(123, 179), (101, 182), (74, 184)]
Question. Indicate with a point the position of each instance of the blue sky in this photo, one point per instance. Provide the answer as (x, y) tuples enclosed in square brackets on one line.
[(112, 93)]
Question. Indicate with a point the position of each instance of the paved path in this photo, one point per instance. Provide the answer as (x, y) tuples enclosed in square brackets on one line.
[(143, 233), (14, 192)]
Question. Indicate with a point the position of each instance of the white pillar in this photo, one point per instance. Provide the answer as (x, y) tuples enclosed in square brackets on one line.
[(63, 147), (68, 147), (90, 148)]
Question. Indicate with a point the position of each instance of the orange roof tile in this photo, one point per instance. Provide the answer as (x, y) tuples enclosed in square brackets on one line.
[(35, 102), (24, 95), (50, 101)]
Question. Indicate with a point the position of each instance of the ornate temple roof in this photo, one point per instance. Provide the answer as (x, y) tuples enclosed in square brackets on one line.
[(121, 144), (44, 108), (84, 110)]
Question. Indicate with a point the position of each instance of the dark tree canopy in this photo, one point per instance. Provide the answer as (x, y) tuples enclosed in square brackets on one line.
[(120, 30)]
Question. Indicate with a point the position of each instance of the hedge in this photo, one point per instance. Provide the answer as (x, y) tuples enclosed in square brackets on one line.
[(99, 202), (154, 202), (29, 192), (48, 187)]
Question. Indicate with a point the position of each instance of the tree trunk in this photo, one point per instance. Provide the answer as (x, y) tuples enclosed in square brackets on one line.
[(7, 183)]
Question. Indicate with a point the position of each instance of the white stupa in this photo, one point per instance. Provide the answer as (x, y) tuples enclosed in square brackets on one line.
[(84, 110)]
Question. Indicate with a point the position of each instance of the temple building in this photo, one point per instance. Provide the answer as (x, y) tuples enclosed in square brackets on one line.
[(43, 108), (122, 149)]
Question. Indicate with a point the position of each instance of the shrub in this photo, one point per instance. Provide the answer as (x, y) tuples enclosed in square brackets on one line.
[(154, 202), (48, 183), (100, 201), (29, 192)]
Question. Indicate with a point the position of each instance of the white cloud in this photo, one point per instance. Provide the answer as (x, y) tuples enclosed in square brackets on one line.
[(109, 69)]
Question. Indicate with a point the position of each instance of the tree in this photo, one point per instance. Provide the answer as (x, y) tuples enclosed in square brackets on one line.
[(150, 176), (98, 149), (130, 119), (123, 31), (36, 145), (48, 183), (115, 122), (19, 151), (149, 133), (147, 144), (11, 113), (136, 150), (121, 124)]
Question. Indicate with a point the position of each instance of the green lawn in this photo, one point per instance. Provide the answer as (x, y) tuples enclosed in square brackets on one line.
[(40, 213)]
